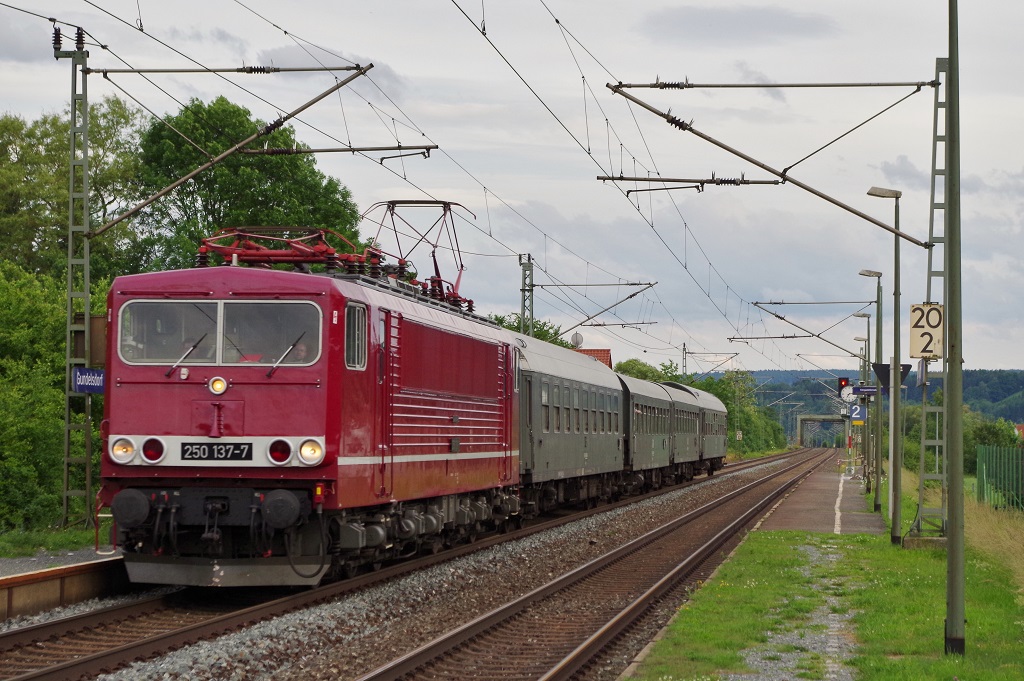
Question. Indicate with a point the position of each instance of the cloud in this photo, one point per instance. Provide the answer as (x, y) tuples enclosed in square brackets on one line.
[(750, 75), (739, 26), (29, 43), (904, 174), (217, 36)]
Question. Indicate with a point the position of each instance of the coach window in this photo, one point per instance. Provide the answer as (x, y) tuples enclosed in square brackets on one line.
[(586, 411), (567, 403), (556, 404), (355, 337), (576, 408), (545, 406)]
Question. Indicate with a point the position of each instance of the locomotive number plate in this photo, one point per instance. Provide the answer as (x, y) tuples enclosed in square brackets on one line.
[(216, 451)]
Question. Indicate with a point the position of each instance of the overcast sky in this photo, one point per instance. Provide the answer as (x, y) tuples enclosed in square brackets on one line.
[(515, 96)]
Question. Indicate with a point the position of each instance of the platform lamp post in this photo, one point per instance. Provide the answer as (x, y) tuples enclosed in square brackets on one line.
[(865, 443), (878, 395), (895, 381)]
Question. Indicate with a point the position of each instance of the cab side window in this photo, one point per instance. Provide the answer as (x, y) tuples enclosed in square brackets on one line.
[(355, 337)]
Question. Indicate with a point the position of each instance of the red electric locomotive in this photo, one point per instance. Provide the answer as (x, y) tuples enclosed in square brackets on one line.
[(275, 427), (269, 427)]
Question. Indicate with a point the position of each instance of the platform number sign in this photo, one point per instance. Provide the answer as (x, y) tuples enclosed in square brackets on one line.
[(926, 322), (858, 413)]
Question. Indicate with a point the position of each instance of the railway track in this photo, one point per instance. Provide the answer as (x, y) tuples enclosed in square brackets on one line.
[(558, 630), (103, 640)]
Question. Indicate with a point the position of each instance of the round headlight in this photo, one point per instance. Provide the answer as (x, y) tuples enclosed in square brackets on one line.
[(218, 385), (280, 452), (122, 450), (311, 453)]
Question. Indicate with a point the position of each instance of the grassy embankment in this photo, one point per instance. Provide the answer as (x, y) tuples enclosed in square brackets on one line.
[(896, 598), (16, 544)]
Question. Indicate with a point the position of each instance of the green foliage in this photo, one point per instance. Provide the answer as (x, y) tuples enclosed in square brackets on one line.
[(29, 194), (19, 543), (31, 397), (241, 190), (978, 430), (545, 331), (639, 369), (34, 180), (759, 426)]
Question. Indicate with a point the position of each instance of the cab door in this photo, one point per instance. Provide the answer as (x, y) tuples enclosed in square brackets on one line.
[(388, 366)]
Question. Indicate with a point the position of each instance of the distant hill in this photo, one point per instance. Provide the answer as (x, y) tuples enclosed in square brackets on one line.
[(994, 393)]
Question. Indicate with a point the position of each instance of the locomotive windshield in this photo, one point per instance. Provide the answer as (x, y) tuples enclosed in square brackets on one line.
[(224, 332)]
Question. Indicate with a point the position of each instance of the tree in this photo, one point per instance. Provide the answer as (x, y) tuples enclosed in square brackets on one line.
[(242, 190), (639, 369), (31, 397), (545, 331), (761, 431), (34, 179)]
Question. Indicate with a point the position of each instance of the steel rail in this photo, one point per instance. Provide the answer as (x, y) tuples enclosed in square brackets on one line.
[(434, 650)]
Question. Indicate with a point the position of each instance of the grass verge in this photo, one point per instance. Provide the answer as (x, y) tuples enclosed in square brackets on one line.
[(772, 592), (17, 544)]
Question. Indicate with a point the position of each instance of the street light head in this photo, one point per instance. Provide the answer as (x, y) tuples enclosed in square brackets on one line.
[(884, 193), (862, 315), (870, 273), (860, 339)]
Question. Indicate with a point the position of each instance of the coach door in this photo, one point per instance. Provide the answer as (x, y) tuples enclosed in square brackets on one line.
[(388, 365), (526, 441)]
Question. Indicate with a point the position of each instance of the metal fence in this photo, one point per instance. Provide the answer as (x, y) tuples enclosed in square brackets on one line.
[(1001, 476)]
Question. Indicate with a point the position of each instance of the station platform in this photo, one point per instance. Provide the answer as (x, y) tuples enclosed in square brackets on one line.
[(830, 500)]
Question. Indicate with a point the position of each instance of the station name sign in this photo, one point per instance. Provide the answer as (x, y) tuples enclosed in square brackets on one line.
[(85, 380)]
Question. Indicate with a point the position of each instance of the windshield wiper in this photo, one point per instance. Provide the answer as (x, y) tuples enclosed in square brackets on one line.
[(281, 358), (187, 353)]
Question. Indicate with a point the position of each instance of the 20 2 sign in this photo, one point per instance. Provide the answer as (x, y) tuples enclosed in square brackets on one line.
[(926, 323)]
